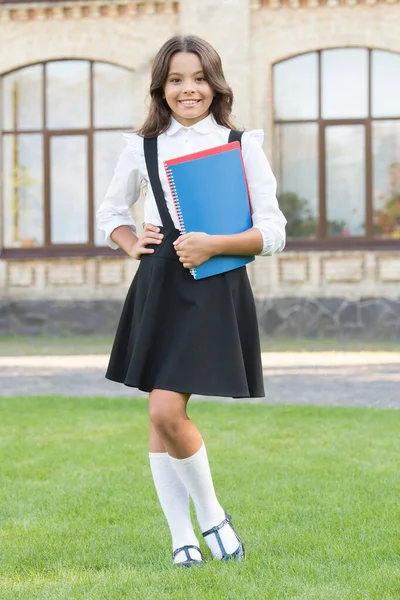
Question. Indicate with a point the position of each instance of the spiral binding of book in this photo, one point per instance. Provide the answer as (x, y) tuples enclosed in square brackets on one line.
[(175, 198)]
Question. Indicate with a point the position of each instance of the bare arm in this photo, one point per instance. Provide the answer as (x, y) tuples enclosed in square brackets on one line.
[(124, 237), (247, 243)]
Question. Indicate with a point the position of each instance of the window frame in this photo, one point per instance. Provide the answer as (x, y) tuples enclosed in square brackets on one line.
[(368, 241), (49, 249)]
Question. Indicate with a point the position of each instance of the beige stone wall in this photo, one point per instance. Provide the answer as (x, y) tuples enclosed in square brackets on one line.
[(96, 278), (250, 35), (350, 275), (226, 24)]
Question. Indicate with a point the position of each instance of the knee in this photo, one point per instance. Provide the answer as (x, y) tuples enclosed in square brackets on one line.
[(165, 419)]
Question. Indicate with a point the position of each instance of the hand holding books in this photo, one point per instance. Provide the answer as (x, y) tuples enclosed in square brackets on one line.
[(193, 249)]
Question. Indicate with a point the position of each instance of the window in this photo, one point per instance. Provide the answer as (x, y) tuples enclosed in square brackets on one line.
[(61, 137), (337, 145)]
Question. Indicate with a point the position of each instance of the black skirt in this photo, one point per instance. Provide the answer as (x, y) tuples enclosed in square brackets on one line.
[(188, 336)]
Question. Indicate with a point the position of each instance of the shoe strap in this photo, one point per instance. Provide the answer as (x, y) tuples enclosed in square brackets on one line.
[(186, 549), (215, 530), (217, 527)]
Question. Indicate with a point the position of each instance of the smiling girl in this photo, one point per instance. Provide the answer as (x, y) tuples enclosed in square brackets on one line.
[(178, 336)]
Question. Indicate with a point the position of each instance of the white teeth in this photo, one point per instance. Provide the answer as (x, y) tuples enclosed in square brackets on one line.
[(189, 102)]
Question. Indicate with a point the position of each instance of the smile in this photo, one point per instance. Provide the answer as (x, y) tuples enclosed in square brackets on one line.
[(189, 102)]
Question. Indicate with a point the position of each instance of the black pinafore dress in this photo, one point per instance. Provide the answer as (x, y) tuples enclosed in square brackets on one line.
[(179, 334)]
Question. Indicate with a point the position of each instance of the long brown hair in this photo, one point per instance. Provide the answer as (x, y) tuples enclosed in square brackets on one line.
[(159, 117)]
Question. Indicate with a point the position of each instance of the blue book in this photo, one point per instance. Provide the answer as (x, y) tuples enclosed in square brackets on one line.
[(210, 193)]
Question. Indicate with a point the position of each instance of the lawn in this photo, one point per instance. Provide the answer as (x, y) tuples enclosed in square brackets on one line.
[(42, 345), (313, 491)]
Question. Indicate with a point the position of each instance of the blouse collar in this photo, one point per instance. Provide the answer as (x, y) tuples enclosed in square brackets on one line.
[(206, 125)]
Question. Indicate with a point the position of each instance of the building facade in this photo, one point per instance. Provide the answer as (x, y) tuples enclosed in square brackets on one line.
[(321, 77)]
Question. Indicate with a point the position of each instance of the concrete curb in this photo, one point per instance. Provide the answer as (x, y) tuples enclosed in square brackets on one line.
[(269, 360)]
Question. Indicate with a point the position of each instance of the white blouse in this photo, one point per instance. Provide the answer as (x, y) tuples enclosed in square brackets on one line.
[(178, 140)]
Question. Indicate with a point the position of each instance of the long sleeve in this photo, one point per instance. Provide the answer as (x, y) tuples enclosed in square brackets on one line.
[(267, 217), (122, 193)]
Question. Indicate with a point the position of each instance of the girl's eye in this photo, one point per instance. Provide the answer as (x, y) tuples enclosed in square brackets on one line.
[(177, 80)]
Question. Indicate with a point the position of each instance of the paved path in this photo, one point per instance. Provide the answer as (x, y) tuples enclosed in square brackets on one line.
[(319, 378)]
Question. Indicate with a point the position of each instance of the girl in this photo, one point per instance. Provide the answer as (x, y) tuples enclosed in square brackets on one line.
[(178, 336)]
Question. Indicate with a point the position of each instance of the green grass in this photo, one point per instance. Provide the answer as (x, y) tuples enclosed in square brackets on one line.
[(41, 345), (276, 344), (313, 491)]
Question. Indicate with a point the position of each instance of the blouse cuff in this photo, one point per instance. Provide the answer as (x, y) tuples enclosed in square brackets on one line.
[(113, 225), (268, 241)]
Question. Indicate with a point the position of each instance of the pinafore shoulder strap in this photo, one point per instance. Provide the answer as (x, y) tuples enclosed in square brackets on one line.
[(235, 136), (150, 146)]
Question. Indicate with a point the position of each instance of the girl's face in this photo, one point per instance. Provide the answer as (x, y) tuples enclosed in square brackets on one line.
[(186, 90)]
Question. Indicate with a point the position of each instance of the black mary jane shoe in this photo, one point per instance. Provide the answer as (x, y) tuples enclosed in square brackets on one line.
[(240, 553), (189, 562)]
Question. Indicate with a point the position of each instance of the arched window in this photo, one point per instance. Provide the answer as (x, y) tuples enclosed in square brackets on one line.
[(61, 136), (337, 146)]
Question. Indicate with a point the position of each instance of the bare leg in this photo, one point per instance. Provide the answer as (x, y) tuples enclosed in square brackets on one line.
[(171, 426), (184, 445), (173, 497), (155, 442)]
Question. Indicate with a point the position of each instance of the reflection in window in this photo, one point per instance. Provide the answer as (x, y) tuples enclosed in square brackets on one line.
[(385, 84), (46, 169), (296, 168), (69, 194), (345, 180), (68, 94), (23, 190), (22, 99), (386, 179), (296, 88), (108, 146), (113, 106), (352, 89), (344, 83)]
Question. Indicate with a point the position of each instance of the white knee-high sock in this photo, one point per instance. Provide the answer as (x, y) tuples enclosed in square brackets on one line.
[(174, 500), (195, 473)]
